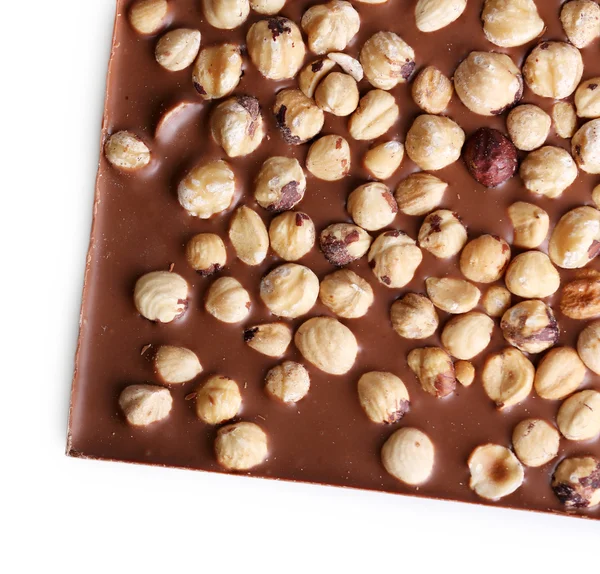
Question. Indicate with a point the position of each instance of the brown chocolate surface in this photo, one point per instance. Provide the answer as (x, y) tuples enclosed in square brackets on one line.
[(139, 226)]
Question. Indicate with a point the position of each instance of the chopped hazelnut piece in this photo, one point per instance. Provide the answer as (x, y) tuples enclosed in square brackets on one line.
[(218, 400), (383, 396), (161, 296), (292, 235), (579, 416), (143, 405), (409, 456), (346, 294), (206, 253), (576, 482), (507, 377), (535, 442), (530, 326), (175, 365), (290, 290), (434, 369), (330, 26), (241, 446), (289, 382), (414, 317), (271, 339), (349, 64), (465, 373), (394, 258), (559, 373), (227, 300), (495, 471)]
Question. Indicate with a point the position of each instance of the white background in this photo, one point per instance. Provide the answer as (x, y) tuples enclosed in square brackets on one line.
[(69, 515)]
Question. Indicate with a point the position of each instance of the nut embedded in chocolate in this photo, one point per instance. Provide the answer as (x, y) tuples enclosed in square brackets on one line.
[(490, 156), (576, 482), (342, 243)]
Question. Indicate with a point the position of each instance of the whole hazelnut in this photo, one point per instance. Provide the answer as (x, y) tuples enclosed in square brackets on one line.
[(148, 16), (559, 373), (413, 316), (237, 125), (575, 240), (579, 416), (530, 326), (434, 369), (465, 373), (585, 147), (432, 15), (581, 298), (227, 300), (292, 235), (280, 184), (143, 405), (452, 295), (342, 243), (387, 60), (467, 335), (484, 259), (126, 151), (372, 206), (581, 21), (217, 71), (175, 365), (496, 301), (383, 396), (161, 296), (376, 113), (535, 442), (576, 482), (587, 98), (565, 119), (268, 7), (289, 382), (177, 49), (548, 171), (241, 446), (226, 14), (337, 94), (588, 346), (495, 471), (290, 290), (528, 126), (490, 157), (531, 275), (409, 456), (218, 400), (331, 26), (443, 234), (346, 294), (329, 158), (420, 193), (432, 90), (248, 235), (530, 224), (510, 23), (312, 74), (206, 253), (394, 258), (382, 160), (297, 116), (507, 377), (271, 339)]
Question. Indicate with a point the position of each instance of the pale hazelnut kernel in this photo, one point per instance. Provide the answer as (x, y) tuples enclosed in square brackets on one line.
[(276, 48), (484, 259), (383, 396), (292, 235), (432, 15), (535, 442), (387, 60), (218, 400), (126, 151), (531, 275), (488, 83), (530, 224), (434, 142), (227, 300), (329, 158), (409, 456), (237, 125), (290, 290), (327, 344), (495, 471), (145, 404), (331, 26), (581, 21), (148, 16), (465, 373), (349, 64), (337, 94), (372, 206), (217, 71), (452, 295), (342, 243), (161, 296), (559, 373), (585, 147), (177, 49), (467, 335), (414, 316), (207, 189), (496, 301), (271, 339), (588, 346), (579, 416), (548, 171), (376, 113), (575, 240), (510, 23), (432, 90), (312, 74), (226, 14), (288, 382), (268, 7), (528, 126), (553, 70), (298, 117), (394, 258), (581, 298), (206, 253), (596, 196), (434, 369), (530, 326), (575, 482), (565, 119), (443, 234), (248, 235), (587, 98), (346, 294), (176, 365), (382, 160), (420, 193), (241, 446), (507, 377)]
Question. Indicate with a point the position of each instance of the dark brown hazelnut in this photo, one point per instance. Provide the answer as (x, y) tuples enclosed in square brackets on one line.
[(490, 156)]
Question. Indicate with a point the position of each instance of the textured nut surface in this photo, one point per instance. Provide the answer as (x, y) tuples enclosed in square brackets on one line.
[(565, 119), (312, 74), (126, 151), (177, 49), (581, 21), (530, 224), (467, 335), (531, 275), (331, 26), (248, 235), (342, 243), (528, 126), (292, 235), (329, 158), (530, 326), (442, 234), (376, 113), (485, 258), (414, 317), (587, 98), (434, 142), (579, 416), (290, 290), (271, 339), (394, 258), (218, 400), (145, 404), (535, 442), (387, 60), (227, 300), (161, 296), (148, 16), (495, 471), (509, 23), (237, 125), (432, 15), (327, 344), (346, 294), (176, 365), (434, 369), (507, 377), (586, 147), (280, 184), (548, 171), (241, 446), (465, 373), (490, 157), (298, 117), (268, 7), (382, 160), (289, 382), (432, 90), (349, 64), (226, 14), (588, 346), (372, 206), (206, 253), (559, 373), (383, 396), (452, 295), (420, 193), (575, 240), (596, 196), (217, 71), (409, 456), (496, 301), (581, 298), (337, 94), (576, 482)]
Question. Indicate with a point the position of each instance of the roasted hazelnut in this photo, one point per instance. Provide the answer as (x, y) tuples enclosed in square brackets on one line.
[(126, 151), (530, 326), (327, 344), (488, 83), (442, 234), (241, 446), (376, 113), (372, 206), (496, 301), (530, 224), (337, 94), (531, 275), (548, 171), (452, 295), (535, 442), (271, 339), (510, 23), (588, 346), (495, 471), (432, 15), (349, 64), (217, 71), (143, 405), (280, 184), (382, 160), (409, 456), (161, 296), (484, 259), (490, 157), (394, 258), (581, 298), (507, 377), (329, 158), (579, 416), (176, 365), (596, 196), (346, 294), (289, 382), (312, 74), (585, 147), (342, 243), (575, 240), (218, 400), (465, 373), (298, 117), (268, 7), (467, 335), (581, 21), (292, 235), (248, 235), (559, 373), (226, 14), (432, 90), (177, 49), (434, 369), (331, 26), (290, 290), (587, 98), (565, 119), (206, 253), (414, 317), (227, 300), (148, 16), (528, 126), (387, 60), (237, 125), (383, 396), (576, 482), (420, 193)]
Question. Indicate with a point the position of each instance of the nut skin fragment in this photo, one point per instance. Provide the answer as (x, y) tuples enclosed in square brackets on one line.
[(432, 15), (528, 126), (175, 365), (177, 49), (241, 446), (579, 416), (126, 151), (465, 373), (588, 346), (330, 27), (292, 235), (432, 90), (226, 14), (298, 117), (587, 98), (559, 373), (346, 294), (576, 482), (342, 243), (443, 234), (218, 400), (581, 22), (530, 224), (548, 171), (384, 159), (575, 240), (329, 158), (484, 259), (372, 206), (535, 442), (510, 23), (143, 405), (585, 147), (531, 275), (227, 300), (414, 317), (376, 113), (467, 335), (507, 377), (312, 74), (490, 157), (337, 94), (581, 298), (249, 236), (420, 193), (495, 471), (565, 119), (289, 382), (217, 71), (148, 16), (530, 326), (290, 290), (387, 60), (452, 295), (271, 339), (161, 296), (409, 456), (496, 301), (383, 396), (394, 258), (434, 369), (206, 253)]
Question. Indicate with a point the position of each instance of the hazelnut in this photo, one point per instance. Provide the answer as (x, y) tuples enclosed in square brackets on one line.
[(126, 151), (507, 377), (227, 300), (383, 396), (586, 147), (510, 23), (434, 142), (329, 158), (298, 117), (346, 294), (530, 326), (496, 301), (387, 60), (241, 446), (420, 193), (276, 48), (288, 382), (237, 125), (581, 21), (226, 14), (290, 290), (467, 335), (280, 184), (161, 296), (409, 456), (465, 373), (327, 344), (559, 373), (495, 471), (565, 119), (394, 258), (271, 339), (292, 235), (432, 90), (452, 295), (530, 224), (372, 206), (207, 189), (488, 83), (596, 196), (485, 258), (575, 240), (342, 243), (349, 64), (330, 26), (206, 253), (177, 49), (434, 369), (576, 481), (535, 442), (176, 365), (548, 171), (217, 71), (268, 7), (553, 70), (312, 74), (587, 98), (579, 416), (531, 275), (145, 404), (218, 400), (581, 298), (148, 16), (588, 346), (337, 94), (528, 126), (442, 234), (432, 15), (382, 160), (249, 236), (376, 113), (490, 157), (413, 316)]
